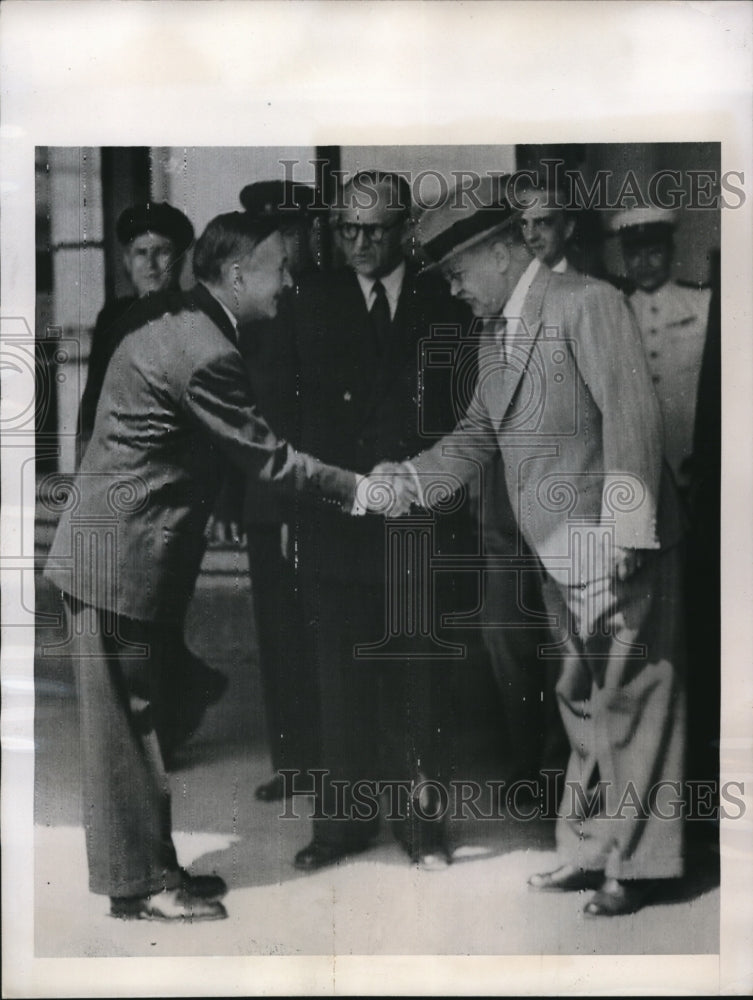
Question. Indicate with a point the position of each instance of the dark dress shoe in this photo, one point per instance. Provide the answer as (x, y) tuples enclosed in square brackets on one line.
[(567, 878), (203, 886), (615, 899), (429, 852), (168, 905), (273, 790), (318, 855)]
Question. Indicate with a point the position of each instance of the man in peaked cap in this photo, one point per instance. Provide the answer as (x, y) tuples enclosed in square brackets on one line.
[(155, 236), (579, 432), (294, 207), (673, 320)]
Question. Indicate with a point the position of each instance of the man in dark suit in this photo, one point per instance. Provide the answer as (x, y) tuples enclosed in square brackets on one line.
[(579, 433), (155, 237), (175, 402), (362, 395)]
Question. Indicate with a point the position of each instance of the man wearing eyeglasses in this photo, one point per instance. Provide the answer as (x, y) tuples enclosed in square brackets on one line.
[(358, 330)]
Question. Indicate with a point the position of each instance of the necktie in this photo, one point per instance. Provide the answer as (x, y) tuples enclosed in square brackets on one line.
[(381, 322), (499, 326)]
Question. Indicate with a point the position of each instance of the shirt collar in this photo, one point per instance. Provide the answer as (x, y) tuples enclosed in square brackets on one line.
[(393, 284), (514, 305), (225, 309), (231, 317), (561, 266)]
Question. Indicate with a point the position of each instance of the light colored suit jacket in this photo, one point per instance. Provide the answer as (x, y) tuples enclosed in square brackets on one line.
[(567, 401), (673, 321), (175, 404)]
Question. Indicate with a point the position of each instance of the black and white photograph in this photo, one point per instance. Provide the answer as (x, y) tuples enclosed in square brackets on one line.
[(377, 607)]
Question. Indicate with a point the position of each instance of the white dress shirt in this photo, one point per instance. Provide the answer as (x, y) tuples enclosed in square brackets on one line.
[(393, 285)]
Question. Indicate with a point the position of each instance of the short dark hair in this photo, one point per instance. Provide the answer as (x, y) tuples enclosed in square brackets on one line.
[(228, 236), (367, 180)]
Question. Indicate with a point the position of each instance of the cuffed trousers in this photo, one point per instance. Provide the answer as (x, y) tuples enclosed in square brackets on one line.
[(621, 693), (126, 807)]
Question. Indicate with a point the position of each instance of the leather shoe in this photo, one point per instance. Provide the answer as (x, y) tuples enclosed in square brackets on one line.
[(203, 886), (430, 853), (168, 905), (567, 878), (435, 860), (615, 899), (271, 791), (318, 855)]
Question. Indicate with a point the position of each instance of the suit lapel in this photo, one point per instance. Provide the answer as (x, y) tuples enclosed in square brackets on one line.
[(521, 343), (209, 305)]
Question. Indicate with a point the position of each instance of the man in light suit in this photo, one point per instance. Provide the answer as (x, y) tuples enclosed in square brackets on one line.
[(579, 433), (175, 404), (536, 741)]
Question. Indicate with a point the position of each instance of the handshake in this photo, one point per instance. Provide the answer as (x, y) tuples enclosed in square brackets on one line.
[(390, 489)]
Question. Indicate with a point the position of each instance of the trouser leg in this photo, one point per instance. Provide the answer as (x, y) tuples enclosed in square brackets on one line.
[(126, 795), (291, 696), (513, 600), (339, 618), (622, 699)]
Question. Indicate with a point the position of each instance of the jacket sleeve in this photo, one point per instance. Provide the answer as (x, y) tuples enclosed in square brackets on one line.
[(218, 399), (456, 458), (612, 363)]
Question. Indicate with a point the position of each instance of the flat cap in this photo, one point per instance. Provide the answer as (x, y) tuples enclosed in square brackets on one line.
[(465, 217), (285, 201), (155, 217)]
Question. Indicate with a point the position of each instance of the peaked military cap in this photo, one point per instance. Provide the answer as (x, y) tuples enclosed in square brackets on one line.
[(285, 201)]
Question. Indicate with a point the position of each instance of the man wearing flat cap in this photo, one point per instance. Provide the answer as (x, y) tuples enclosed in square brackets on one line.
[(155, 236), (578, 428)]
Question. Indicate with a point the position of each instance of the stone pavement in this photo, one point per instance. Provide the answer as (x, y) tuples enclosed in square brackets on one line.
[(374, 904)]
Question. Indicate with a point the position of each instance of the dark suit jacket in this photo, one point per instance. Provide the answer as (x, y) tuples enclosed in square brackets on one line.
[(175, 402), (359, 407), (104, 341)]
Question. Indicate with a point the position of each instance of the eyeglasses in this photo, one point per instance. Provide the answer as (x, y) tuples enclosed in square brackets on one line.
[(374, 233)]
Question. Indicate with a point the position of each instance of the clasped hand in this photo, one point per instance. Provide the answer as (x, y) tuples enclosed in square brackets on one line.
[(389, 489)]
